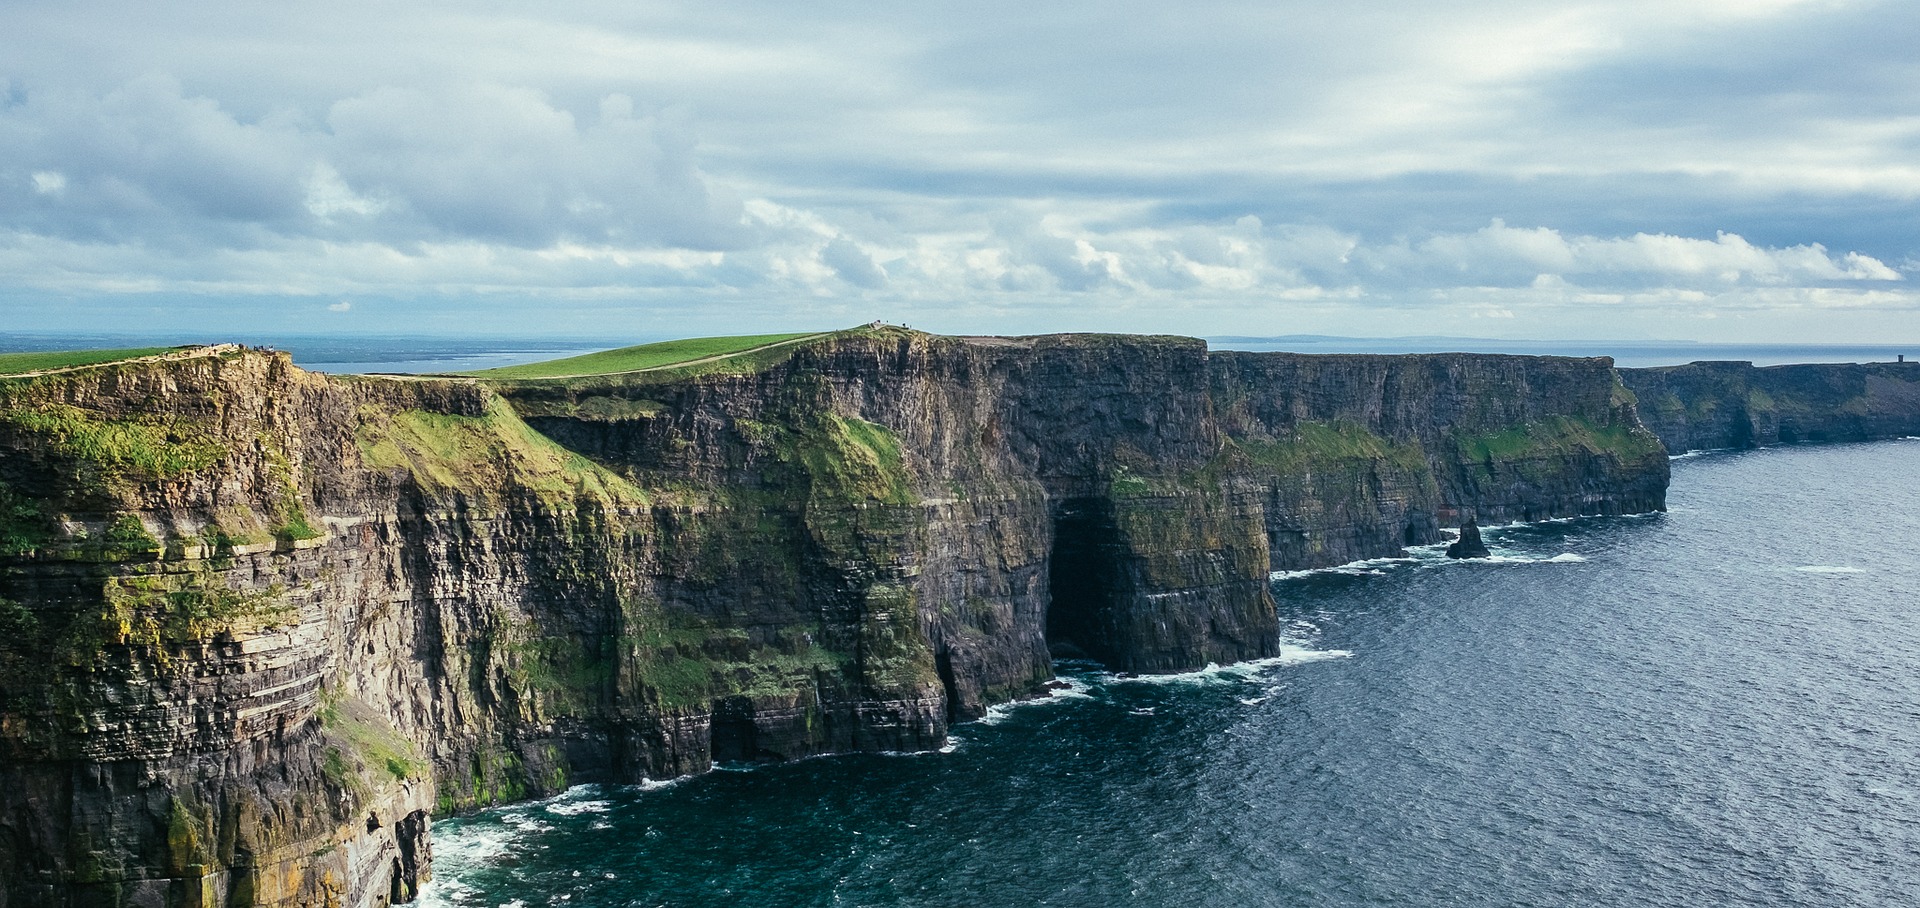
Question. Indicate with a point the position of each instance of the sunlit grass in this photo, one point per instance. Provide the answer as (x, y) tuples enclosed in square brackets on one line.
[(646, 356), (17, 363)]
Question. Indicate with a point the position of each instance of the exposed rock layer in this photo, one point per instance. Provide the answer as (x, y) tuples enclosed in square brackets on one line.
[(1715, 405), (257, 625)]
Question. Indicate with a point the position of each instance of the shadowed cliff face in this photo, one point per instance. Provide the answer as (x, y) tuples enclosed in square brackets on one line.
[(1355, 456), (258, 625), (1712, 405)]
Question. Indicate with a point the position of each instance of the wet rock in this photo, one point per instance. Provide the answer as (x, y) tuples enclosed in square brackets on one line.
[(1469, 544)]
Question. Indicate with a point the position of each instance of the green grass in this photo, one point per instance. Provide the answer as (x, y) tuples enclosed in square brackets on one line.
[(631, 359), (1556, 437), (498, 450), (368, 751), (1317, 445), (16, 363), (141, 448)]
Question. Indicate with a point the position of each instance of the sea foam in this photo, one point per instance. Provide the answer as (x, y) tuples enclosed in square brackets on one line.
[(1237, 672)]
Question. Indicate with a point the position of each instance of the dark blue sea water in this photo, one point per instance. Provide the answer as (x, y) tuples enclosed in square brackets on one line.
[(1715, 706)]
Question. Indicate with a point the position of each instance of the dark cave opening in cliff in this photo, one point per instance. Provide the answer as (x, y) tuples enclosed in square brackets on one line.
[(1084, 580)]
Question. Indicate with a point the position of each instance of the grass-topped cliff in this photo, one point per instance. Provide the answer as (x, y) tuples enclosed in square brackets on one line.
[(278, 619), (19, 363), (719, 353), (1710, 405)]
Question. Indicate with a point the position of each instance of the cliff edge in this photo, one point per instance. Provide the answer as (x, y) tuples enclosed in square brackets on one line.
[(258, 625), (1720, 405)]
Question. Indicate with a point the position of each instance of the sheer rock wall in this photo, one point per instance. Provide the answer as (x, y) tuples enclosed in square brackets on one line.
[(257, 625), (1715, 405)]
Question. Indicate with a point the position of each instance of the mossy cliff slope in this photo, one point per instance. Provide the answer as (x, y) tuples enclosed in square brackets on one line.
[(1713, 405), (257, 625), (1355, 456)]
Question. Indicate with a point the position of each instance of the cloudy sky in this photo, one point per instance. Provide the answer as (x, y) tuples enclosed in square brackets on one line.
[(1722, 170)]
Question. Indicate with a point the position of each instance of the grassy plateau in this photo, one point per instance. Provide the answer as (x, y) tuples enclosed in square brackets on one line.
[(644, 357), (17, 363)]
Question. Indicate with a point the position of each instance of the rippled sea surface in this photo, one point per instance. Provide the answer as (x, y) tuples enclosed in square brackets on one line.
[(1715, 706)]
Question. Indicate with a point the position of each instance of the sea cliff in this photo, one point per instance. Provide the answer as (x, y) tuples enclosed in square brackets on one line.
[(258, 625), (1715, 405)]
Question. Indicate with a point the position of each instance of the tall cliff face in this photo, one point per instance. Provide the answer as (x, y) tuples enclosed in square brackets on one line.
[(1712, 405), (258, 625), (1356, 456)]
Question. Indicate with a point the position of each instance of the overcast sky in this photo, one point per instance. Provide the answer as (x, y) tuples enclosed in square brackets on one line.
[(1725, 170)]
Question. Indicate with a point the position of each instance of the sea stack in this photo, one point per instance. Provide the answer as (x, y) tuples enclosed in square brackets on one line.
[(1469, 544)]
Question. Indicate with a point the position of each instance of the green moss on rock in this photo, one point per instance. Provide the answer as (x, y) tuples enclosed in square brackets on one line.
[(156, 609), (1557, 437), (118, 451), (1319, 445), (448, 453), (24, 525)]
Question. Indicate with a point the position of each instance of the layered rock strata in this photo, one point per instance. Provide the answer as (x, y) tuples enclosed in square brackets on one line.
[(1717, 405), (257, 625)]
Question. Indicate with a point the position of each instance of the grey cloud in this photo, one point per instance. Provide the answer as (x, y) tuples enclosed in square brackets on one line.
[(505, 164), (148, 163), (142, 162), (1095, 158), (853, 264), (1815, 63)]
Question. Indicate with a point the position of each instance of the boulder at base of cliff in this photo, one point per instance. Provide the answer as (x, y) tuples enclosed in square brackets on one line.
[(1469, 544)]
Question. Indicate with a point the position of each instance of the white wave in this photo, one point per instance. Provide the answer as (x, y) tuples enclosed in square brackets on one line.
[(1059, 690), (525, 823), (579, 807), (1239, 672), (476, 844), (659, 784), (1685, 456), (1501, 558), (1364, 567), (576, 800), (1829, 569)]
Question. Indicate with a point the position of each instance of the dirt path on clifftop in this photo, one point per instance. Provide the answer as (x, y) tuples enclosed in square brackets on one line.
[(194, 353)]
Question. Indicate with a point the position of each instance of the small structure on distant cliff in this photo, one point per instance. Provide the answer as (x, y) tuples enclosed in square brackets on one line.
[(1469, 544)]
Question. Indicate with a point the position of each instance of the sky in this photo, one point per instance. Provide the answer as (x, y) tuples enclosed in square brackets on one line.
[(1741, 171)]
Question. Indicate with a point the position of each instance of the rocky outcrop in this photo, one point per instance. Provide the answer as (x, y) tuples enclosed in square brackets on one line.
[(1715, 405), (1469, 545), (258, 626)]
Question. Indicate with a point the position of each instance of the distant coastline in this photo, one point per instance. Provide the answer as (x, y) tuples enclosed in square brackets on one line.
[(1632, 354)]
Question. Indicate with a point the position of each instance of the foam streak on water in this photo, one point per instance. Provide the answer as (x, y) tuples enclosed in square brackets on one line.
[(1708, 707)]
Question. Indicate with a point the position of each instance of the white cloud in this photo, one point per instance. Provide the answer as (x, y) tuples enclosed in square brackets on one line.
[(1498, 252), (341, 306), (1175, 159)]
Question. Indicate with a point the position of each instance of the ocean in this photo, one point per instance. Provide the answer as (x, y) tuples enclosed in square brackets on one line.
[(1719, 705)]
